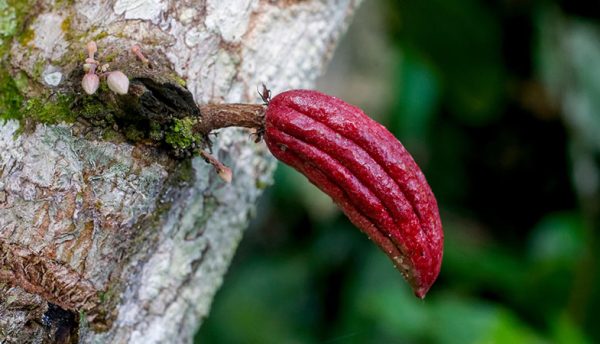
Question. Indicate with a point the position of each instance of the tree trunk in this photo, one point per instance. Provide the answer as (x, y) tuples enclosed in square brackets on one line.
[(108, 239)]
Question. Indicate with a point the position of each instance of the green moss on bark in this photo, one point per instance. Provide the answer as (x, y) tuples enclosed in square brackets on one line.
[(50, 111), (8, 20), (13, 16), (10, 98), (181, 135)]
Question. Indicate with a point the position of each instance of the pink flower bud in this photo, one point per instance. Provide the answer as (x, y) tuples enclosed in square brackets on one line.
[(90, 83), (118, 82), (225, 174)]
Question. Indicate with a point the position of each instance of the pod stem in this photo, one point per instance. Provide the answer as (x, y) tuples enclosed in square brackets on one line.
[(217, 116)]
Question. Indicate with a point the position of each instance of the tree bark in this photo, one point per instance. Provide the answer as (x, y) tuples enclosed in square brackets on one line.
[(107, 241)]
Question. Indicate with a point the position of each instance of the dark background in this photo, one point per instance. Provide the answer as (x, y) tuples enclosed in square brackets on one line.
[(489, 98)]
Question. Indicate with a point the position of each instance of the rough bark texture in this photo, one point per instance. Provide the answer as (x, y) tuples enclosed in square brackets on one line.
[(110, 242)]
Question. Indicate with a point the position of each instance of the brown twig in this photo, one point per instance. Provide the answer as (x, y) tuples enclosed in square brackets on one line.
[(217, 116)]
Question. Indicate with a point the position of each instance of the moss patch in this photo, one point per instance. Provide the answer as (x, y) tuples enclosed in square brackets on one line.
[(27, 36), (92, 109), (134, 134), (8, 20), (65, 26), (10, 97), (50, 111), (156, 132), (100, 36), (99, 113), (13, 15), (8, 26), (180, 81), (111, 135), (180, 135)]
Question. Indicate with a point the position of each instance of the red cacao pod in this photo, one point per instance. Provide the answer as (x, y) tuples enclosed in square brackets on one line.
[(366, 171)]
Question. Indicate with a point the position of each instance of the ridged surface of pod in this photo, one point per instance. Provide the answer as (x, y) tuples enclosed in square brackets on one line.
[(366, 171)]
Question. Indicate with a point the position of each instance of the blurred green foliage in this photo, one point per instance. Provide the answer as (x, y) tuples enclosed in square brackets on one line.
[(498, 103)]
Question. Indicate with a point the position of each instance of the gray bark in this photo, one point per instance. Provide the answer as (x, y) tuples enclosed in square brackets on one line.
[(109, 242)]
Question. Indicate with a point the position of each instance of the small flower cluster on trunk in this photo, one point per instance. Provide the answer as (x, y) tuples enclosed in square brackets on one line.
[(117, 81)]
